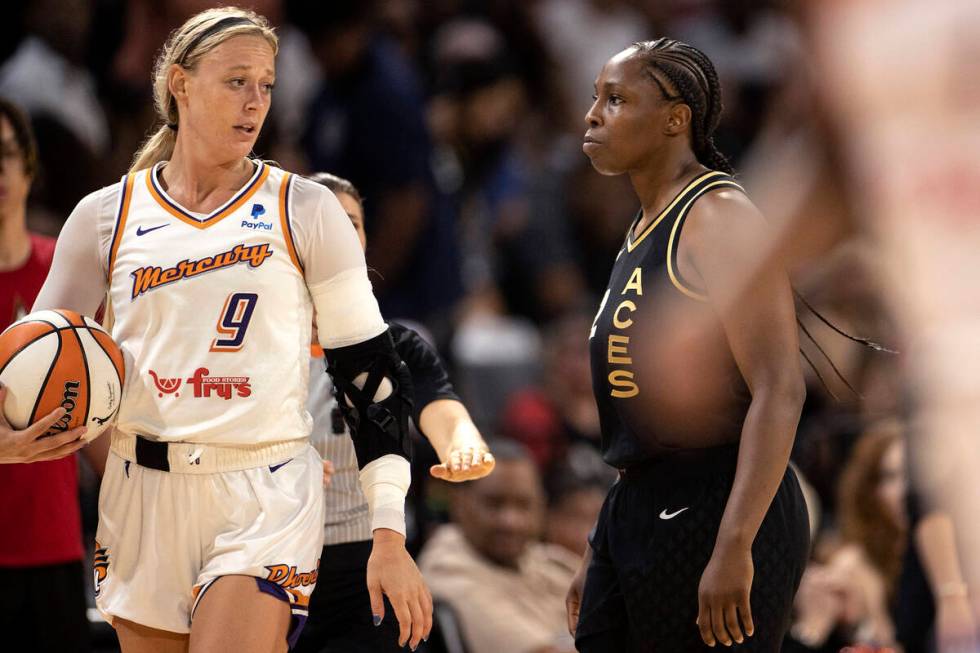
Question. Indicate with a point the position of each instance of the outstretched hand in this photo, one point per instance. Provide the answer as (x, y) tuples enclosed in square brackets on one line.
[(27, 445), (465, 462)]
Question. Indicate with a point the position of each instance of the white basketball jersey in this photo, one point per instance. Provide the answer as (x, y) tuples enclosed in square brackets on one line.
[(215, 312)]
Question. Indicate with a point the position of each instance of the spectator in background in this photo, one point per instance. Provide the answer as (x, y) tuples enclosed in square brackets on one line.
[(367, 124), (42, 596), (577, 486), (852, 595), (513, 234), (581, 35), (48, 78), (755, 47), (873, 523), (507, 588), (562, 411)]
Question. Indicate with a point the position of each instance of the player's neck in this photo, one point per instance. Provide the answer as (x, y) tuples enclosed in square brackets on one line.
[(658, 182), (194, 180), (15, 240)]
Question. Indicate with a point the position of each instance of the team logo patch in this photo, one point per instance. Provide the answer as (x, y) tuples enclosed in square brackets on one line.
[(100, 566), (291, 580), (203, 385), (151, 277)]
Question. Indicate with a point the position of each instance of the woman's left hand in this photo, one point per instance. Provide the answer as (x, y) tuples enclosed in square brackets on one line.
[(466, 460), (391, 572), (723, 596)]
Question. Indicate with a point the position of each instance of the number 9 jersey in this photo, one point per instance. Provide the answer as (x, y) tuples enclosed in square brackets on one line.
[(213, 309)]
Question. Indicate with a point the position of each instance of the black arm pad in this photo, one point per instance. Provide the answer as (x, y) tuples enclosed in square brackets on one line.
[(377, 428)]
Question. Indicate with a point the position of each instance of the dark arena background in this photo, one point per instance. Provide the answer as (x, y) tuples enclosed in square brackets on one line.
[(853, 126)]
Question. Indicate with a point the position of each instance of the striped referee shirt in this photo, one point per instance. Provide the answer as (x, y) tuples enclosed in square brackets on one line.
[(347, 516)]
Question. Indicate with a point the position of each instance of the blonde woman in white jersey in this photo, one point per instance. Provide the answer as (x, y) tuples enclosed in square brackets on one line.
[(342, 610), (211, 508)]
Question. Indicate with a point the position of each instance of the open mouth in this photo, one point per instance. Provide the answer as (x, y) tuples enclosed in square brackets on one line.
[(245, 129)]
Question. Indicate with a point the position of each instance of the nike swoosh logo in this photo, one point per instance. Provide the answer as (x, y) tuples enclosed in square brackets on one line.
[(670, 515), (140, 231), (273, 468)]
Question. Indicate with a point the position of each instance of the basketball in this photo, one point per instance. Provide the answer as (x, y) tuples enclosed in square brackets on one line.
[(60, 358)]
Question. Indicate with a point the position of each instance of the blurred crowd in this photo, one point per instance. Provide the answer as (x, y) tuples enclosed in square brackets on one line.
[(460, 122)]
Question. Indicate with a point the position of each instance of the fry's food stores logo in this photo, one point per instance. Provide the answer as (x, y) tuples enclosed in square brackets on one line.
[(204, 386)]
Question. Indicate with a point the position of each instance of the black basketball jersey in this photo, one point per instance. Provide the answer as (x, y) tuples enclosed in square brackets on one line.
[(633, 381)]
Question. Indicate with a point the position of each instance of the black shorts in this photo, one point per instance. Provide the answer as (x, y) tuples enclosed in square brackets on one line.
[(43, 609), (654, 536), (340, 618)]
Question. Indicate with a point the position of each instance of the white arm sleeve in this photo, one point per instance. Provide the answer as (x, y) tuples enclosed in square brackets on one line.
[(77, 280), (346, 311), (385, 483)]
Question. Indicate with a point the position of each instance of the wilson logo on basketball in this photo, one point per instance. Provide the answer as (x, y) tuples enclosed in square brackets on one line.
[(204, 386), (68, 403)]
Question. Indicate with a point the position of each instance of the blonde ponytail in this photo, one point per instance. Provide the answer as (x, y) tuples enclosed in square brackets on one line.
[(185, 47), (158, 147)]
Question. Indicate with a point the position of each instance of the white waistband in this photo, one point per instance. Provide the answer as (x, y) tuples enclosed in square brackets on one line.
[(196, 458)]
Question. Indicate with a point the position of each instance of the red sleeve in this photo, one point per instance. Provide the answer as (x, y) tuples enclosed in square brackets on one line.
[(43, 249)]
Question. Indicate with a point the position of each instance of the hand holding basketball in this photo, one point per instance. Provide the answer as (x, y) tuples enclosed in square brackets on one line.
[(61, 371), (27, 445)]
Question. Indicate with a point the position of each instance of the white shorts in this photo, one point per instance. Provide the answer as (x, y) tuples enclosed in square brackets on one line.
[(164, 537)]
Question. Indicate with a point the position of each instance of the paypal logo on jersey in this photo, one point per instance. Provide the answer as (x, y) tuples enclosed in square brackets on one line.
[(257, 211)]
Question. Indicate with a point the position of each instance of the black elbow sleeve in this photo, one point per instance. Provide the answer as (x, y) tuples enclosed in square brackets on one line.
[(377, 427)]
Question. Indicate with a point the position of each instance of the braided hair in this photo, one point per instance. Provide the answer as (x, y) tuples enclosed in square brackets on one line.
[(693, 75)]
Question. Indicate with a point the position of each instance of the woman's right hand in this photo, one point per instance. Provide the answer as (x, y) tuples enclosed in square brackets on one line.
[(27, 445), (573, 599)]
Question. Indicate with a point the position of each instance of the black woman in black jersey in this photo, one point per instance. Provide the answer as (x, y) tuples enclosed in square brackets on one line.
[(697, 375)]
